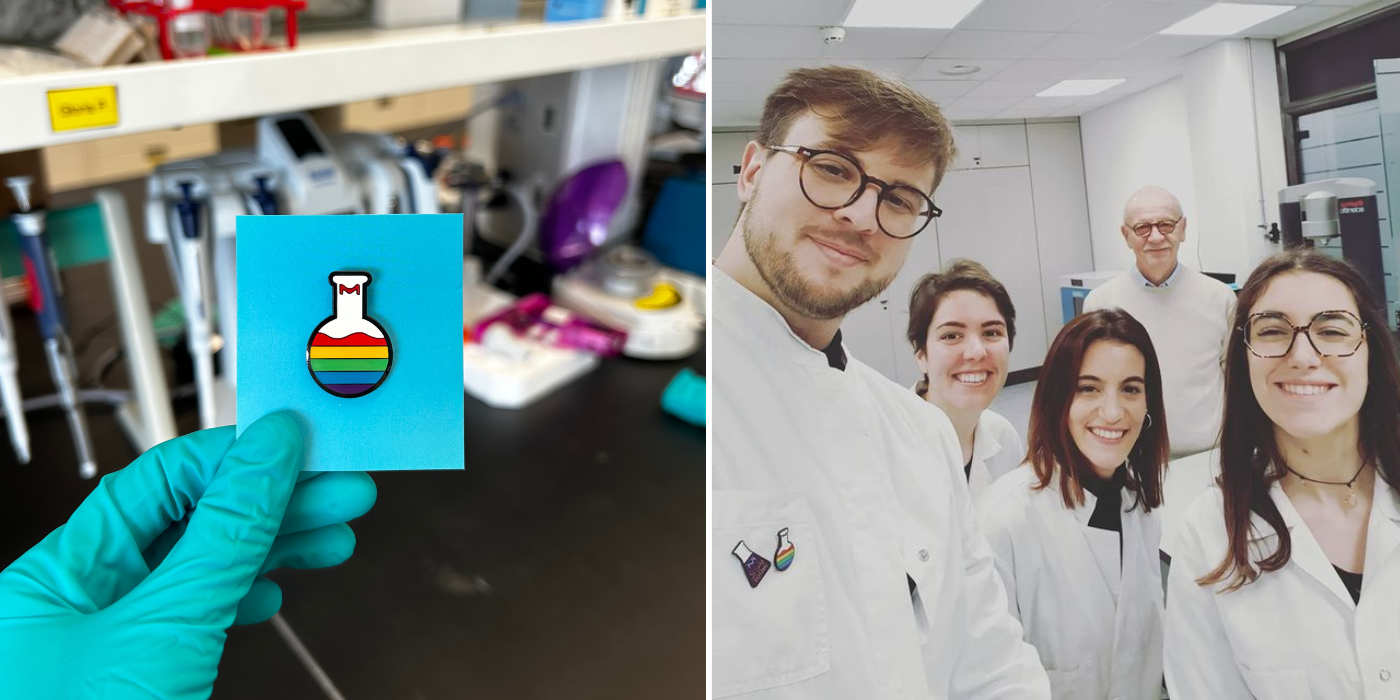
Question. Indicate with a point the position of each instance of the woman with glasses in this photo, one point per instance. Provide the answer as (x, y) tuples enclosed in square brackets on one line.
[(962, 326), (1285, 576), (1075, 533)]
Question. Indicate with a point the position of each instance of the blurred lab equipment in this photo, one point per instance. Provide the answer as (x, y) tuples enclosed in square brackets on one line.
[(46, 298)]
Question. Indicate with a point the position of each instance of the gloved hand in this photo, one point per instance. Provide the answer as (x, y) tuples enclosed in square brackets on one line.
[(133, 596)]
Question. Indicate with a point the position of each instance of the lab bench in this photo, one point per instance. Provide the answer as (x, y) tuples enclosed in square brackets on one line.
[(565, 561)]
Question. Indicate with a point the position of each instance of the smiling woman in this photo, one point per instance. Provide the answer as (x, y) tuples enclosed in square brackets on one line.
[(1075, 532), (1306, 517), (962, 326)]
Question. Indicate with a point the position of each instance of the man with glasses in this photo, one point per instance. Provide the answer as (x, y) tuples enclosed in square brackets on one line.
[(1186, 313), (844, 560)]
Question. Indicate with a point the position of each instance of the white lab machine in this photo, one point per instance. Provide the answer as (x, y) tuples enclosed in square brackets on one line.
[(1076, 287), (662, 310), (314, 179), (388, 180)]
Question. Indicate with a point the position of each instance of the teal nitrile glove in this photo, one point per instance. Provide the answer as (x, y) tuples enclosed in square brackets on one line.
[(133, 596)]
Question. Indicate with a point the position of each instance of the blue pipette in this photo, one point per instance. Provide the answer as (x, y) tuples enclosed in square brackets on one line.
[(43, 273)]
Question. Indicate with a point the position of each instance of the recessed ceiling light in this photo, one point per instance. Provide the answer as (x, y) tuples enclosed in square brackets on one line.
[(1078, 88), (960, 69), (909, 14), (1226, 19)]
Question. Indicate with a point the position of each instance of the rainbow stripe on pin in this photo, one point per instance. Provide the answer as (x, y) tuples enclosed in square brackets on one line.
[(348, 366), (784, 558)]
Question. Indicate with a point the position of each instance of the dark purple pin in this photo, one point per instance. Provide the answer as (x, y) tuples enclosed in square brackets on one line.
[(755, 566)]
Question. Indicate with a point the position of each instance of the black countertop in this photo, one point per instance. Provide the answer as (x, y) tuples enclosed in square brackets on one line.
[(565, 561)]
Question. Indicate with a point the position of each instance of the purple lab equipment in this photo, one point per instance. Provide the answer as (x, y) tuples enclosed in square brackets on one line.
[(576, 218)]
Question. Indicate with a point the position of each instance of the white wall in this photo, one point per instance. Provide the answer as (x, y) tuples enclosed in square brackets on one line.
[(1137, 141), (1213, 137)]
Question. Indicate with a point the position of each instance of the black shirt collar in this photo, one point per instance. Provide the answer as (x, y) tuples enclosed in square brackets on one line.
[(835, 354)]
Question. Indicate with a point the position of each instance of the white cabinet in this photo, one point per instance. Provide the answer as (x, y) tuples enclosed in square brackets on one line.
[(1027, 224), (989, 217), (726, 154), (990, 146), (724, 209), (1061, 214)]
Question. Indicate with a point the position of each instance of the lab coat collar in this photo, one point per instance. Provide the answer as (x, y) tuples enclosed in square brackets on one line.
[(1382, 538), (759, 325), (984, 441)]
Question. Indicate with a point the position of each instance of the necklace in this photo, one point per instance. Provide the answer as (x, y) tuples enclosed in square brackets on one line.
[(1350, 499)]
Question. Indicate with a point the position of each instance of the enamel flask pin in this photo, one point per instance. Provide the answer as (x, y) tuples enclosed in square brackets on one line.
[(782, 556), (349, 354), (755, 566)]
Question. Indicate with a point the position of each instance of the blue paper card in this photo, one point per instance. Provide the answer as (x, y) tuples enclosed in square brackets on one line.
[(354, 324)]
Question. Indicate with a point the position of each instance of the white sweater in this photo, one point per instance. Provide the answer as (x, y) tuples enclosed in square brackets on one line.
[(1189, 322)]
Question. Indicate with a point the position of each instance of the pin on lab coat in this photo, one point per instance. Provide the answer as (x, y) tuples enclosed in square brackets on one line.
[(1292, 634), (865, 477), (1058, 587)]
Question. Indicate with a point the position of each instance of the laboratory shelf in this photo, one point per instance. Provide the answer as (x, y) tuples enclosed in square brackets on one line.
[(336, 68)]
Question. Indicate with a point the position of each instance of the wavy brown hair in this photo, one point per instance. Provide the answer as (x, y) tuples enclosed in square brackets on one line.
[(1249, 455), (1050, 446), (863, 110), (928, 293)]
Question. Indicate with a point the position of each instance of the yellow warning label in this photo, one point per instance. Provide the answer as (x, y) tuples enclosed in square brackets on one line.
[(83, 108)]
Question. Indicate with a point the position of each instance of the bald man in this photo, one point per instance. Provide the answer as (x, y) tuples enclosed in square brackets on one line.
[(1186, 313)]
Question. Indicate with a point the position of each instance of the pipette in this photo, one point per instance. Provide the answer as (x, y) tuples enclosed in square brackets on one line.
[(9, 386), (195, 285), (47, 300)]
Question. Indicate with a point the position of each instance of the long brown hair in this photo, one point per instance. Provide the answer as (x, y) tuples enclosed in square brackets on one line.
[(930, 290), (1050, 444), (1250, 459)]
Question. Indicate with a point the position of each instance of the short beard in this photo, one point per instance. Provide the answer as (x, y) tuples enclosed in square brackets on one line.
[(779, 272)]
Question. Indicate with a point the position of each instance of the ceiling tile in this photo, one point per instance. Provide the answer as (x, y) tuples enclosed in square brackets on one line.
[(1037, 107), (731, 90), (1138, 17), (755, 70), (1294, 20), (993, 104), (972, 44), (1027, 15), (812, 13), (1043, 69), (896, 67), (736, 113), (1132, 68), (1336, 3), (765, 41), (1010, 88), (968, 115), (1084, 45), (928, 69), (944, 90), (1164, 46), (883, 43)]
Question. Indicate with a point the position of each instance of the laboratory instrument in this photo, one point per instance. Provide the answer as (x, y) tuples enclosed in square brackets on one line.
[(46, 297), (660, 309), (314, 179)]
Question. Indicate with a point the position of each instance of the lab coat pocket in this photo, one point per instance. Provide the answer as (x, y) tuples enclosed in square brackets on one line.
[(773, 633), (1073, 684), (1277, 685)]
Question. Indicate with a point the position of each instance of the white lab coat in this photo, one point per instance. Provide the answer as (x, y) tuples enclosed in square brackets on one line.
[(1098, 630), (1294, 633), (842, 459), (996, 450)]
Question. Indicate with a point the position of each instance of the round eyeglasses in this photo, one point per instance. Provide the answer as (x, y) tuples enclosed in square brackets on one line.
[(832, 180), (1331, 333), (1145, 229)]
